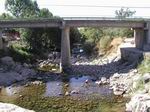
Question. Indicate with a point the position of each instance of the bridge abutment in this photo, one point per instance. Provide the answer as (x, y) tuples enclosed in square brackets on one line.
[(65, 47)]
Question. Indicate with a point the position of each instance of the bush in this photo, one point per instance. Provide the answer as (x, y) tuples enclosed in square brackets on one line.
[(20, 53), (88, 48), (144, 66)]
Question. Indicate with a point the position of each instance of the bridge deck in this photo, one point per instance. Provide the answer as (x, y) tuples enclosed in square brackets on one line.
[(74, 22)]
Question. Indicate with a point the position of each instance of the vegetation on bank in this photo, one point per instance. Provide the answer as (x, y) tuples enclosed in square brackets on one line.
[(144, 66)]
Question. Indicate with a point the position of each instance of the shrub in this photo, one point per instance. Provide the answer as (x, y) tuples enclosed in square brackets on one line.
[(144, 66), (20, 53), (88, 48)]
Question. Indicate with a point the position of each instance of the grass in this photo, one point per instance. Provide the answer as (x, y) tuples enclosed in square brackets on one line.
[(144, 66)]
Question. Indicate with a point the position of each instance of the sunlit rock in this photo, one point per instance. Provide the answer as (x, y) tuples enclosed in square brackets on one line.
[(5, 107)]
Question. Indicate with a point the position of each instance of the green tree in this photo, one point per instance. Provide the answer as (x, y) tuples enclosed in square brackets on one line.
[(124, 13), (39, 40), (45, 13), (22, 8), (92, 34), (5, 16)]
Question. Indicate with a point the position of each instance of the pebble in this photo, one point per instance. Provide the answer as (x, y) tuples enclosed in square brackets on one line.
[(74, 92), (67, 93), (87, 81), (66, 85), (98, 82)]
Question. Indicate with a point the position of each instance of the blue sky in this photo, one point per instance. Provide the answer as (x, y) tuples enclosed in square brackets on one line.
[(72, 11)]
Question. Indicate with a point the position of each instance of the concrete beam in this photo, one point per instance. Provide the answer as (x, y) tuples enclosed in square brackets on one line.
[(29, 23), (139, 38), (70, 23), (105, 23), (65, 48)]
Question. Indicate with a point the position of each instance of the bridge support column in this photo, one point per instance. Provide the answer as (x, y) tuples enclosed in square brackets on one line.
[(65, 48), (1, 41), (139, 38)]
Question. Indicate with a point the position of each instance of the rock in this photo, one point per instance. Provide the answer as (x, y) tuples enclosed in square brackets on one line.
[(87, 81), (37, 82), (98, 82), (54, 69), (118, 92), (7, 61), (66, 85), (103, 80), (60, 94), (147, 87), (20, 96), (116, 75), (9, 78), (75, 92), (58, 84), (139, 103), (27, 73), (1, 69), (14, 92), (26, 65), (135, 71), (67, 93), (146, 77), (5, 107), (18, 68)]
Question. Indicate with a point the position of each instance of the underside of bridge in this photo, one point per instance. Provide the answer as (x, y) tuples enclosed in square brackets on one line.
[(141, 32)]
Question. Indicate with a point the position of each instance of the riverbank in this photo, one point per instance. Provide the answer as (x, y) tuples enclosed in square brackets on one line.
[(122, 77), (135, 86)]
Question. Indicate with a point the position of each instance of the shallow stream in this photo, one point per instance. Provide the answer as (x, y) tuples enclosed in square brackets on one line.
[(71, 95)]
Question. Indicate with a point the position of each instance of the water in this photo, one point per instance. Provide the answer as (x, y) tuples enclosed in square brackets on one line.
[(51, 96)]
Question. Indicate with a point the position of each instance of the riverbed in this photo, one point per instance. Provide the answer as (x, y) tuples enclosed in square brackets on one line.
[(69, 94)]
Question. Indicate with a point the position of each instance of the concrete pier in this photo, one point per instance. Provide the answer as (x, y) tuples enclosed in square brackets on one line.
[(65, 47), (139, 38), (1, 41)]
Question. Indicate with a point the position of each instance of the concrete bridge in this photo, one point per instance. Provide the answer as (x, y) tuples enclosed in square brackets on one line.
[(141, 29)]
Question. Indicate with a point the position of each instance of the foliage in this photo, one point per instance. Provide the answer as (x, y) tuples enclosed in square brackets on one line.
[(88, 48), (45, 13), (22, 8), (124, 13), (104, 42), (92, 34), (98, 39), (20, 53), (139, 85), (117, 32), (43, 39), (5, 16), (144, 66), (39, 39)]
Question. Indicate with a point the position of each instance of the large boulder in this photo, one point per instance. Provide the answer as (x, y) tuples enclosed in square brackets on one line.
[(5, 107), (146, 77), (139, 103), (27, 73), (9, 78), (7, 61)]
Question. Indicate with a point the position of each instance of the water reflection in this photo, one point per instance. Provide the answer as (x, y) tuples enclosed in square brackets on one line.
[(53, 88), (58, 88)]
